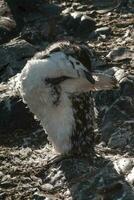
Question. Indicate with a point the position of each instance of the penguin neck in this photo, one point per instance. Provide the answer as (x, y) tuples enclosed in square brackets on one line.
[(82, 138)]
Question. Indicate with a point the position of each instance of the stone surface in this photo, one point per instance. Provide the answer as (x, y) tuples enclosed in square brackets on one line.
[(103, 30), (120, 53), (13, 57), (79, 24), (25, 171)]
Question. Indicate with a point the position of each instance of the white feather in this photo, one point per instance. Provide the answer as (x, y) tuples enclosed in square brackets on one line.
[(58, 121)]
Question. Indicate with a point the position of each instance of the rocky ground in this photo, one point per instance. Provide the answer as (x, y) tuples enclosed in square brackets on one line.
[(27, 27)]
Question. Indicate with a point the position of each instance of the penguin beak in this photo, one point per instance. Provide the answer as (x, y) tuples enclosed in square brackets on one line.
[(104, 81)]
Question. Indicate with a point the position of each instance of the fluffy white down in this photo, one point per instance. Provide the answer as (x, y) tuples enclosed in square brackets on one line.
[(58, 121)]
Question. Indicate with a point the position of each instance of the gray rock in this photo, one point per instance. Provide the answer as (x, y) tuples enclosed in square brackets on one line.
[(120, 53), (14, 56), (103, 30), (47, 187), (121, 110), (119, 139)]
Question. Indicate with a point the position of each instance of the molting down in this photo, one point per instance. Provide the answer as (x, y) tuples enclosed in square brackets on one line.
[(56, 85)]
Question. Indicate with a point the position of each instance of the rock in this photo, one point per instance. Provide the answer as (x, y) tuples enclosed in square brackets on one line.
[(75, 5), (66, 11), (127, 86), (41, 33), (111, 71), (82, 8), (39, 196), (86, 26), (103, 30), (120, 53), (73, 22), (130, 176), (3, 195), (15, 118), (51, 197), (7, 184), (50, 10), (79, 24), (119, 139), (132, 63), (47, 187), (14, 56), (124, 165), (76, 14), (7, 29), (121, 110), (119, 74), (8, 25), (1, 174), (12, 18)]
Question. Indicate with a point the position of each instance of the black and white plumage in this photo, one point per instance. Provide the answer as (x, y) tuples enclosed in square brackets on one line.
[(56, 85)]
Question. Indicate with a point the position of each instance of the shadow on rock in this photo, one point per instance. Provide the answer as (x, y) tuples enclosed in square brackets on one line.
[(18, 126), (80, 179)]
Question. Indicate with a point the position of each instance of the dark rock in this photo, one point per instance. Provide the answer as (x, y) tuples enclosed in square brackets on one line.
[(86, 26), (7, 29), (127, 86), (17, 14), (72, 22), (14, 56), (79, 24), (3, 195), (50, 10), (121, 110), (75, 5), (41, 33), (119, 139), (15, 117)]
